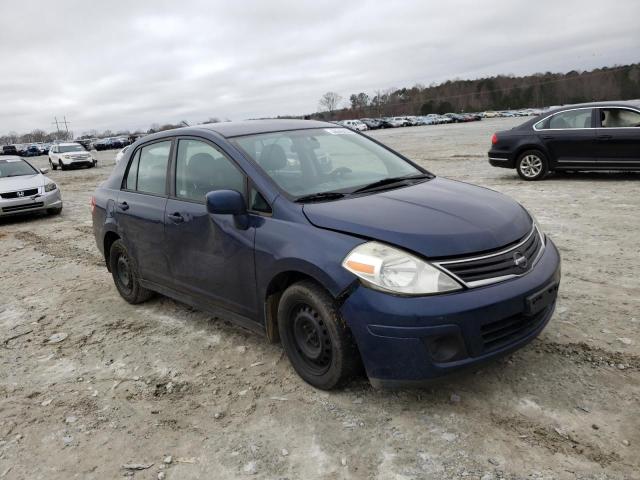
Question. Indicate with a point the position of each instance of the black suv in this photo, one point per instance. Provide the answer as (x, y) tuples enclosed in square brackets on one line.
[(590, 136), (9, 150)]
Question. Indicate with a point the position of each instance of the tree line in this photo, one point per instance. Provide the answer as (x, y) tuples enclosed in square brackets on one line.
[(501, 92)]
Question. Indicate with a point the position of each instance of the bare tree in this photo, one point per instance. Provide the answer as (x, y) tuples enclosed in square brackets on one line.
[(329, 102)]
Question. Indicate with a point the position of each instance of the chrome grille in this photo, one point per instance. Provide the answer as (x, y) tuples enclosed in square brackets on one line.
[(498, 266), (25, 193)]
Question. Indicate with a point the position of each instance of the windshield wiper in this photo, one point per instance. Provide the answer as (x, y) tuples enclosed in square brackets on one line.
[(317, 197), (390, 181)]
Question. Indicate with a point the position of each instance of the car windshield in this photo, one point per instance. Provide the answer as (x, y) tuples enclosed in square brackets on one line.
[(15, 168), (70, 148), (315, 161)]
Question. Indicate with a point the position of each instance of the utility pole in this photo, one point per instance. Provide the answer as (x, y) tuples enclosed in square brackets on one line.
[(66, 126), (57, 127)]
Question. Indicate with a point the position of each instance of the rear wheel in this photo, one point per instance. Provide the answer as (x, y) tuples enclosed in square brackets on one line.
[(532, 165), (314, 336), (125, 274)]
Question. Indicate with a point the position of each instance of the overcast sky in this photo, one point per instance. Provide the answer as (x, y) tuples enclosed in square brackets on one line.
[(116, 64)]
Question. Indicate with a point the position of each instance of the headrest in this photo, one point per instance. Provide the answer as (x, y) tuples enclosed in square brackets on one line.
[(200, 163), (273, 158)]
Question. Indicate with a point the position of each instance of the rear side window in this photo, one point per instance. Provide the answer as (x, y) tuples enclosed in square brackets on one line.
[(619, 118), (201, 168), (567, 120), (131, 182), (152, 168)]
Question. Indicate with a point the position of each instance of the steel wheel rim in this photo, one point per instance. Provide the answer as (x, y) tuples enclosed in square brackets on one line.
[(123, 271), (311, 339), (531, 166)]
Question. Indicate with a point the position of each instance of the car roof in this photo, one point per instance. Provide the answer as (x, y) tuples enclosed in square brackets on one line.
[(66, 144), (6, 158), (618, 103), (252, 127)]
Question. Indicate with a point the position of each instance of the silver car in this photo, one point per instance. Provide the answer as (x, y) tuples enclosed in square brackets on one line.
[(25, 189)]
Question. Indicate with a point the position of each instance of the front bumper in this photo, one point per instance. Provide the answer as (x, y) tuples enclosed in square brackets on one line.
[(35, 203), (393, 332), (77, 162)]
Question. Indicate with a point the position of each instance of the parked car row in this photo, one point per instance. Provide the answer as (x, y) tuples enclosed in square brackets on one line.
[(408, 121), (26, 150), (111, 143)]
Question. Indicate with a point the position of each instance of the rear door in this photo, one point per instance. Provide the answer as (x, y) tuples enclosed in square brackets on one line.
[(209, 256), (618, 138), (570, 138), (141, 206)]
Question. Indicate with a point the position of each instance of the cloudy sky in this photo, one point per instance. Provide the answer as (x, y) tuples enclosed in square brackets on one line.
[(116, 64)]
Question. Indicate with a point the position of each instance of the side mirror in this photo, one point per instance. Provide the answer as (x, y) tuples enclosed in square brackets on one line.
[(228, 202), (44, 171)]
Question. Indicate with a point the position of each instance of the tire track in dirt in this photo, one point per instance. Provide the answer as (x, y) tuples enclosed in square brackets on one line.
[(59, 249), (581, 353), (553, 439)]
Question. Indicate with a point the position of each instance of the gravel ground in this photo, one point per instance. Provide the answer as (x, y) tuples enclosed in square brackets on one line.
[(90, 385)]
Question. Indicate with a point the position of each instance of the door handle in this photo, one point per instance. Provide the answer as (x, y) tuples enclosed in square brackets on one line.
[(123, 206), (548, 137), (605, 137), (176, 217)]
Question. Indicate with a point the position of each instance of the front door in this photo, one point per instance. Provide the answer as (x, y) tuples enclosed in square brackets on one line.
[(140, 210), (570, 139), (209, 256), (618, 138)]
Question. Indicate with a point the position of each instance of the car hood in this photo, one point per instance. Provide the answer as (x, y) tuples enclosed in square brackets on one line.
[(437, 218), (23, 182), (76, 154)]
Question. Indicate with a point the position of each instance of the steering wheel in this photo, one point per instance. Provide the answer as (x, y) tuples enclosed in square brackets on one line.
[(339, 172)]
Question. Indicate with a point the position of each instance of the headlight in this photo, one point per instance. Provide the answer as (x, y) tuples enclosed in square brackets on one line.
[(66, 156), (50, 187), (393, 270)]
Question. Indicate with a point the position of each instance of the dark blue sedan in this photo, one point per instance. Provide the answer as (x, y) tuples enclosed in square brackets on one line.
[(323, 239)]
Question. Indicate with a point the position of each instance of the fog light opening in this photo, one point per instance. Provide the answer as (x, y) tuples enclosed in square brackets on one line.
[(445, 348)]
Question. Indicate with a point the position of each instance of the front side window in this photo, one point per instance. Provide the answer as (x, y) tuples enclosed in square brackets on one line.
[(567, 120), (201, 168), (307, 162), (619, 118), (151, 162)]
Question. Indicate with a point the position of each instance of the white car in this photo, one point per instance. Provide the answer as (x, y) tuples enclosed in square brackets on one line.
[(65, 155), (120, 154), (354, 125), (25, 189)]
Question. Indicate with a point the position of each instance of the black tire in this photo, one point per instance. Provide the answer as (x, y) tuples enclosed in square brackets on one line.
[(125, 274), (53, 165), (532, 165), (62, 167), (54, 211), (316, 339)]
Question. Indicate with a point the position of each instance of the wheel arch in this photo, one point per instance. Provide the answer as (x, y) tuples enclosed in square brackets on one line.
[(283, 280), (109, 238), (532, 146)]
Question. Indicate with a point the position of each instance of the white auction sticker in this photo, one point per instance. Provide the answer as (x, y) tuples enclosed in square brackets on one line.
[(339, 131)]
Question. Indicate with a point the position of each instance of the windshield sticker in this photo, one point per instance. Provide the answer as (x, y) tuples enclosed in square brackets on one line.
[(339, 131)]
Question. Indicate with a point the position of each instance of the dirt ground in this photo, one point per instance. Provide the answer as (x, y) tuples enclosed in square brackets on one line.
[(90, 384)]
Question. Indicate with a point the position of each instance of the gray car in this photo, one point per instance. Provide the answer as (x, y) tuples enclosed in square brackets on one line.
[(25, 189)]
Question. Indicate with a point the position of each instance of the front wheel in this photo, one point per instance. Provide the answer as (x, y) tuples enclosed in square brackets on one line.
[(61, 165), (125, 275), (315, 337), (53, 165), (532, 165)]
